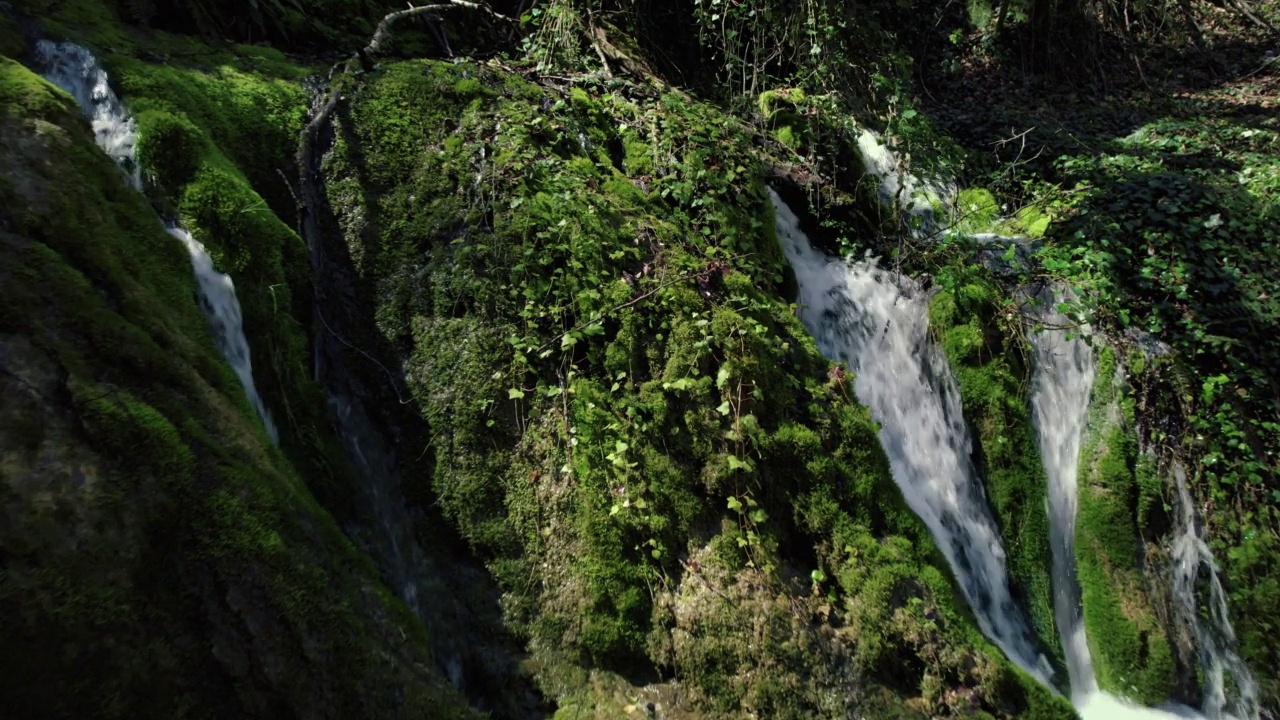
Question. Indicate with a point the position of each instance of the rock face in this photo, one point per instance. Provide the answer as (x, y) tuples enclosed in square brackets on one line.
[(160, 555), (552, 436)]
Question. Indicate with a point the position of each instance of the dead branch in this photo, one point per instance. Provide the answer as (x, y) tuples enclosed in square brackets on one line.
[(380, 35), (384, 28)]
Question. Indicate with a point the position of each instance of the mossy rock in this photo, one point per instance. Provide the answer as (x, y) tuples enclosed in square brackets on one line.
[(780, 109), (989, 367), (162, 557), (1131, 653), (634, 379)]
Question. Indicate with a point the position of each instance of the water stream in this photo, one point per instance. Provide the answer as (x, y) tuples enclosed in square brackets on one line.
[(1062, 382), (878, 324), (75, 70), (1215, 639)]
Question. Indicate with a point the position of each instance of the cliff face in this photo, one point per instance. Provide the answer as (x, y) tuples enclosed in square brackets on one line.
[(552, 436), (161, 557), (633, 431)]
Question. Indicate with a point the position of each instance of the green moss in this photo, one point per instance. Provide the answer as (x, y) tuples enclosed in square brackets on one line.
[(977, 208), (631, 377), (1131, 653), (162, 552), (217, 135), (989, 368), (779, 109), (171, 148)]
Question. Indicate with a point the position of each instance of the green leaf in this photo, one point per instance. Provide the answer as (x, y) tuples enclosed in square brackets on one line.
[(514, 394), (724, 408), (735, 504), (722, 377), (759, 515), (736, 464)]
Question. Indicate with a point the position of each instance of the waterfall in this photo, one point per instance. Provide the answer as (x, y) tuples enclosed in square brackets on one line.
[(1062, 382), (924, 204), (75, 70), (1215, 639), (878, 324)]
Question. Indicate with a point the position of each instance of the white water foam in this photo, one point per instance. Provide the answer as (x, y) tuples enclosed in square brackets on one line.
[(1062, 382), (75, 70), (877, 324), (918, 200), (1215, 639)]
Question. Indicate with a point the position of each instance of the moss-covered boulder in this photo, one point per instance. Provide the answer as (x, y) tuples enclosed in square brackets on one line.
[(1131, 651), (629, 424), (161, 555), (977, 328)]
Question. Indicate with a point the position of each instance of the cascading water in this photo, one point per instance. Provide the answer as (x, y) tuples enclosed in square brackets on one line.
[(75, 70), (1214, 637), (1062, 382), (859, 314), (918, 200)]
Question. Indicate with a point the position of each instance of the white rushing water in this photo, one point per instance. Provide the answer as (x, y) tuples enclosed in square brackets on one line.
[(924, 203), (1215, 639), (75, 70), (1062, 382), (877, 324)]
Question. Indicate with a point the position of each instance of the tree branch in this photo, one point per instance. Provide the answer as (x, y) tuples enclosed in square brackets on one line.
[(380, 35), (384, 28)]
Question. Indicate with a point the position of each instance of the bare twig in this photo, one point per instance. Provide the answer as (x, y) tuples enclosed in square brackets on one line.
[(384, 28)]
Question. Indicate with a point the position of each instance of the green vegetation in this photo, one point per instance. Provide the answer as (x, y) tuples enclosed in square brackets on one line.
[(634, 381), (160, 550), (1131, 654), (217, 142), (980, 332), (572, 262)]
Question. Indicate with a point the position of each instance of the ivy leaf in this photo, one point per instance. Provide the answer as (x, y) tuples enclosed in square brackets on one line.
[(724, 408), (514, 393), (736, 464), (735, 504), (722, 377)]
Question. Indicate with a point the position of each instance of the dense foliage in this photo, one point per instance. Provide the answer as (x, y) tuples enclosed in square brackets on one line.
[(563, 243)]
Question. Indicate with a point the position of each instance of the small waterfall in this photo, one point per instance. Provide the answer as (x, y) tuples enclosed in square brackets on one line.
[(393, 540), (1215, 639), (75, 70), (924, 204), (222, 310), (860, 314), (1062, 382)]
